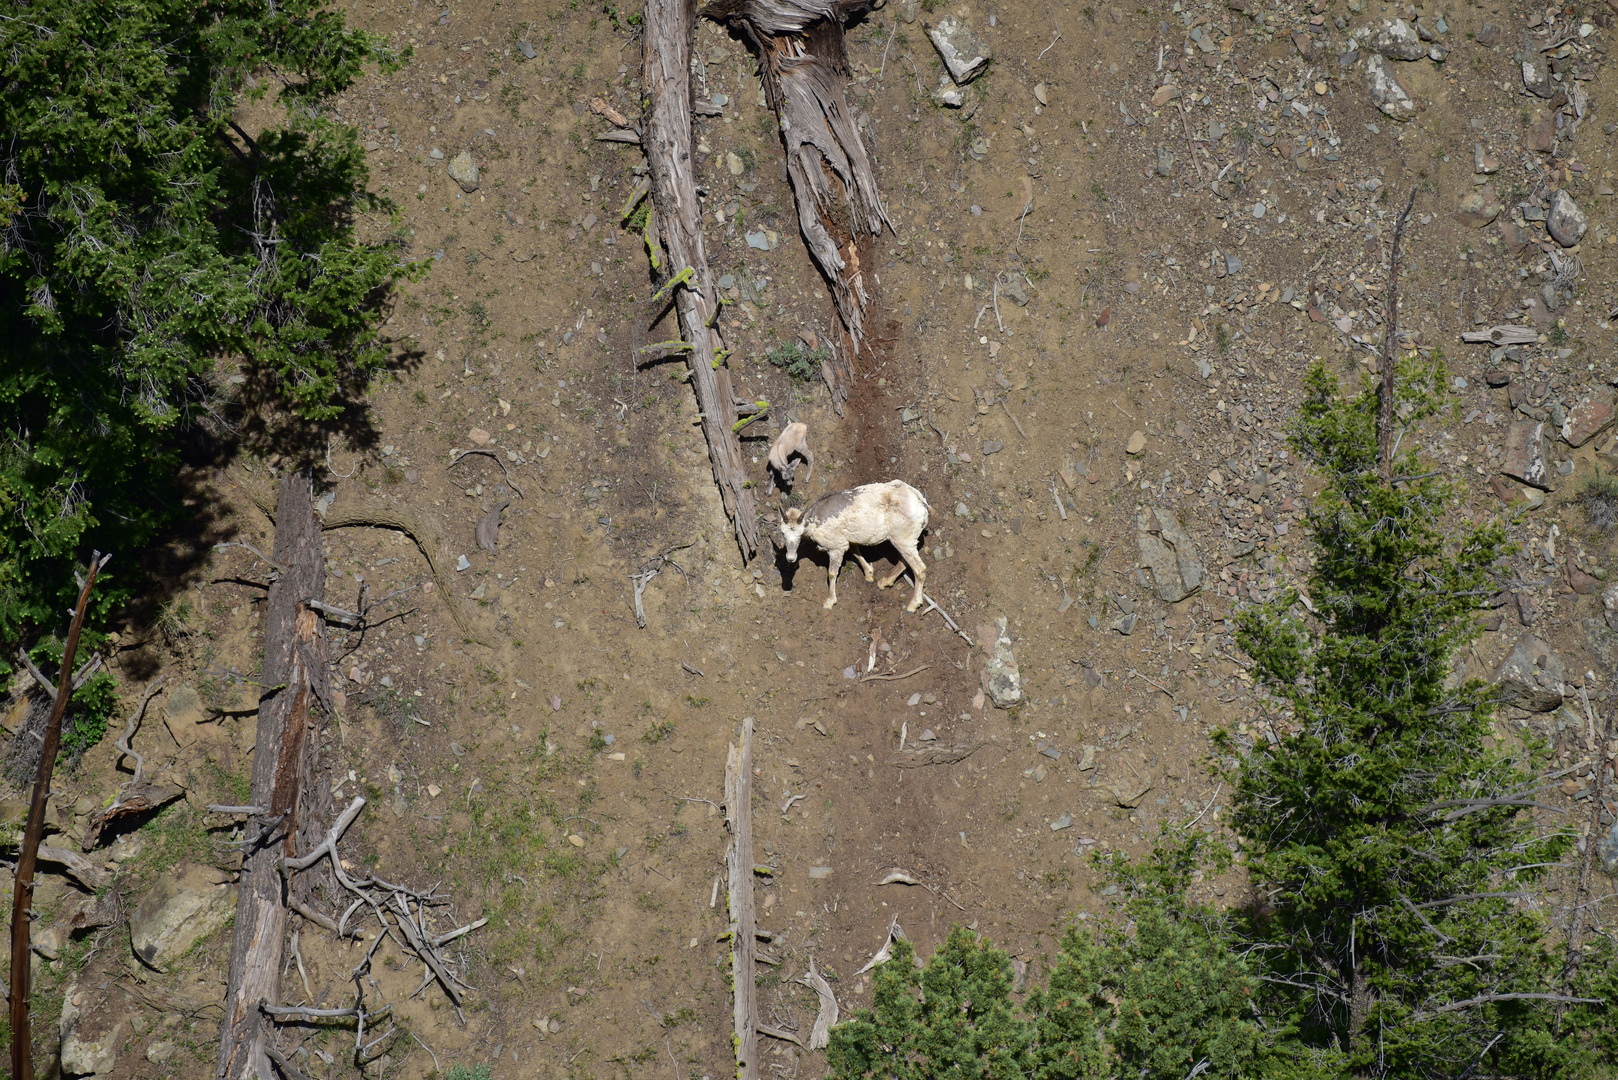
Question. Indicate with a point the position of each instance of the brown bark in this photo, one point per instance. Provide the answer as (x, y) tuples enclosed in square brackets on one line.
[(1390, 352), (670, 25), (295, 675), (22, 895)]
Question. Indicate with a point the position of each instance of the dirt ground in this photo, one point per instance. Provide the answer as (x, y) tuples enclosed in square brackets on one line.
[(1071, 265)]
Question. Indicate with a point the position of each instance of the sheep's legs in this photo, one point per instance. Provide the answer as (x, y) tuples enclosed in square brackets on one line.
[(835, 564), (913, 558), (870, 575)]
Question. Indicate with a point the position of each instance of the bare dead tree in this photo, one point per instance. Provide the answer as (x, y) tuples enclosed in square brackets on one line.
[(1390, 350), (22, 895)]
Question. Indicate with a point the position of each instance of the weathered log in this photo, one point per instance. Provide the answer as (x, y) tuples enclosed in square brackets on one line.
[(803, 62), (284, 759), (666, 140), (743, 919)]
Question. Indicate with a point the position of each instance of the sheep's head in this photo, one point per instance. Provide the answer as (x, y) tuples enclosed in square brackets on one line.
[(792, 529)]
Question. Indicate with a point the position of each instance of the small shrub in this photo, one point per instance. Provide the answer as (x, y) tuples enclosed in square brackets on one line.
[(797, 360), (467, 1072), (1600, 501)]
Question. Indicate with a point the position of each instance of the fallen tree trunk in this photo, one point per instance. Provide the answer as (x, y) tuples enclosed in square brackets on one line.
[(803, 62), (669, 28), (283, 784)]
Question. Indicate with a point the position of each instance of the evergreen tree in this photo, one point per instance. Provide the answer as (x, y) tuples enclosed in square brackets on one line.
[(1392, 844), (149, 246)]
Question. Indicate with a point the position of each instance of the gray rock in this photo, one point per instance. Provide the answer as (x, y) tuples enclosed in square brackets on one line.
[(464, 171), (1525, 454), (1013, 290), (1125, 623), (1387, 92), (1165, 161), (1478, 207), (962, 52), (528, 53), (1531, 677), (1607, 850), (1394, 39), (1565, 222), (182, 909), (949, 95), (1000, 675), (1591, 414), (1167, 551), (1536, 77), (1609, 605), (82, 1056)]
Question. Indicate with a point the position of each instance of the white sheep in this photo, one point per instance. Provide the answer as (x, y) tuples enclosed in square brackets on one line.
[(794, 439), (869, 514)]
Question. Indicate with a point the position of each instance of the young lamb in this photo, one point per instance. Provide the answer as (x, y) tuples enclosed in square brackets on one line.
[(794, 439), (869, 514)]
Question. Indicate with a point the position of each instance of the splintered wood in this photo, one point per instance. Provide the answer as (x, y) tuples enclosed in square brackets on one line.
[(687, 281), (282, 786), (803, 64), (739, 815)]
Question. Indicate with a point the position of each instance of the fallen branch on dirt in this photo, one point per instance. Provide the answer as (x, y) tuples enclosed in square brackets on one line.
[(1060, 509), (874, 676), (917, 757), (743, 924), (640, 581), (422, 527), (688, 281), (932, 605), (22, 896), (458, 456), (135, 798), (826, 1019)]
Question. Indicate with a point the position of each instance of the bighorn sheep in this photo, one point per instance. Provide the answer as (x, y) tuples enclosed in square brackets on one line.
[(869, 514), (794, 439)]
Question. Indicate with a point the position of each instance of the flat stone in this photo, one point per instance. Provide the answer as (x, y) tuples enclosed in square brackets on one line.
[(1488, 35), (1565, 221), (1508, 492), (1525, 454), (963, 54), (1387, 93), (1531, 677), (1581, 583), (1497, 377), (1001, 678), (1536, 77), (734, 163), (1541, 134), (82, 1055), (1392, 38), (1137, 443), (464, 171), (758, 241), (1483, 161), (479, 436), (1165, 161), (1478, 207), (1166, 550), (1590, 416), (819, 873), (1164, 94), (182, 909), (1609, 605), (160, 1051)]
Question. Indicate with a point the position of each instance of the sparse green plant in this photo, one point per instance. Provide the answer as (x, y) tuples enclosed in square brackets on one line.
[(797, 360), (658, 732)]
